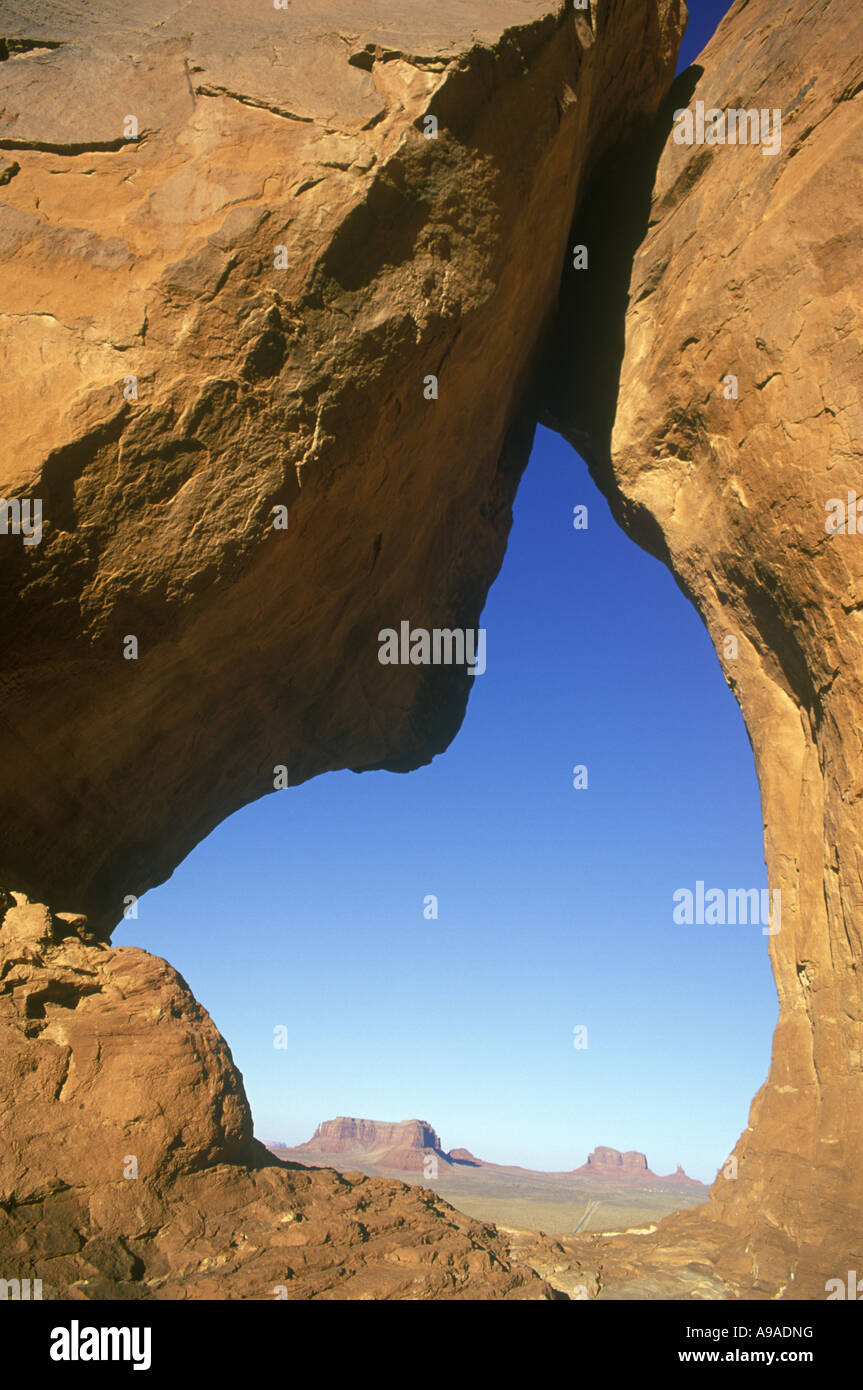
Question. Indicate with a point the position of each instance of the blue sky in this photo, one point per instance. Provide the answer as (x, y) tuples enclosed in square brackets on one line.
[(704, 15), (306, 909)]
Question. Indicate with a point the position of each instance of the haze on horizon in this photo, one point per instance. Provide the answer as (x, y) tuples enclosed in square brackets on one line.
[(554, 904), (305, 911)]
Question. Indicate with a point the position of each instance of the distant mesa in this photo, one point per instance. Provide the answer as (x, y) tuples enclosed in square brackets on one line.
[(405, 1147), (465, 1156), (604, 1160), (611, 1163)]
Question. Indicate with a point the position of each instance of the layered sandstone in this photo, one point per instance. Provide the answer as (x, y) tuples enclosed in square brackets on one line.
[(607, 1161), (230, 262), (233, 305), (738, 419), (404, 1146)]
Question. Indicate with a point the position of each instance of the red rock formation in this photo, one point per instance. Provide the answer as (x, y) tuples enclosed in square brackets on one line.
[(627, 1167), (403, 1147), (406, 1147), (227, 308), (736, 422), (128, 1167), (265, 378), (606, 1161), (739, 416)]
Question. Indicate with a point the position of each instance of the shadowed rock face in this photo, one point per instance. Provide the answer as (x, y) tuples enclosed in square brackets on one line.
[(155, 258), (230, 260), (280, 259), (749, 266)]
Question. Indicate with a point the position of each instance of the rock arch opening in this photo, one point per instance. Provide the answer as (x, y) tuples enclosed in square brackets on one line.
[(489, 942), (173, 378)]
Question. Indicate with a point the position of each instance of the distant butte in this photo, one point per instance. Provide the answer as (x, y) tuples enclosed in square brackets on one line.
[(402, 1147), (406, 1146), (611, 1163), (174, 381)]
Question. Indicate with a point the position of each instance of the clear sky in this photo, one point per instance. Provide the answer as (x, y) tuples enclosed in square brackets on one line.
[(306, 909), (704, 15)]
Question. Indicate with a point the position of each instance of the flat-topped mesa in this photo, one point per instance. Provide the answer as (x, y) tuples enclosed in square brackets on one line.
[(404, 1145), (284, 291), (609, 1161)]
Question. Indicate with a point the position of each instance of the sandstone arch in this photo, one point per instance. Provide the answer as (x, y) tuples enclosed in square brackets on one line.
[(302, 386)]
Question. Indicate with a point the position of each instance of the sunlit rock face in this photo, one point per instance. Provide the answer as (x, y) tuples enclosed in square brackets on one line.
[(128, 1167), (275, 284), (736, 441), (257, 261), (302, 266)]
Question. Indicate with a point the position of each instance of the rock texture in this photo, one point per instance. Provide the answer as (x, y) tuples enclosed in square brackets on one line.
[(224, 289), (749, 267), (127, 1163), (230, 260), (678, 1260), (109, 1055), (280, 258)]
